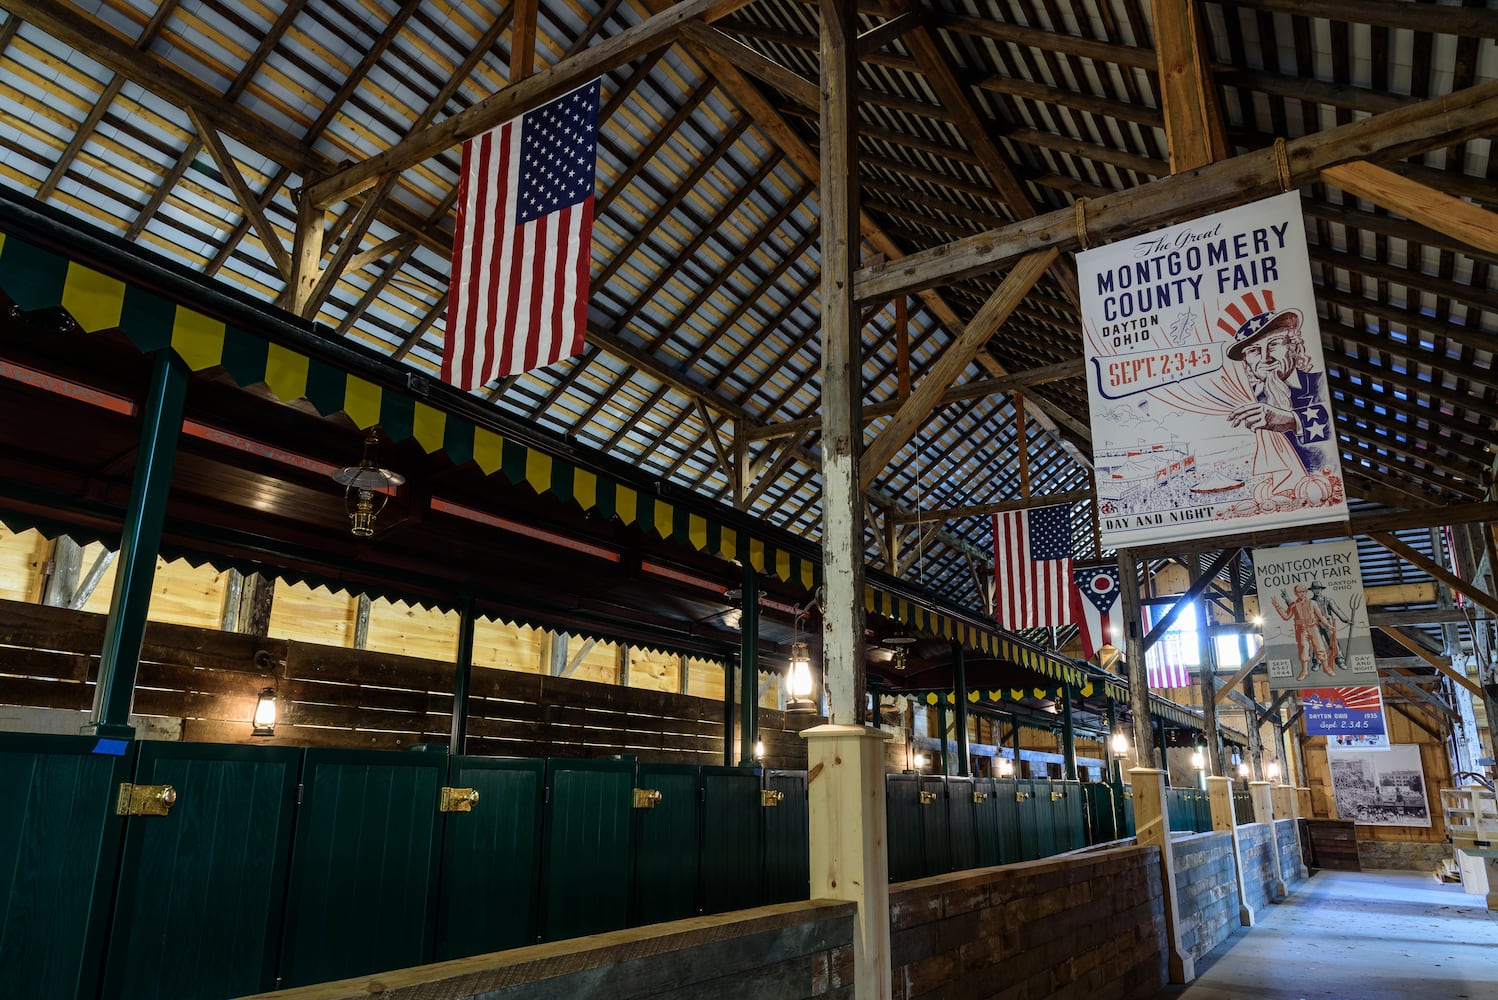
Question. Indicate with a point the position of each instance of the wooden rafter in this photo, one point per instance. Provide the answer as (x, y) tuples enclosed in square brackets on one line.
[(1418, 559)]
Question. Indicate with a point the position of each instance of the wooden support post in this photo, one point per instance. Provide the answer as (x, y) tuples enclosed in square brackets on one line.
[(1208, 656), (1152, 826), (62, 572), (1220, 794), (140, 542), (1139, 690), (361, 621)]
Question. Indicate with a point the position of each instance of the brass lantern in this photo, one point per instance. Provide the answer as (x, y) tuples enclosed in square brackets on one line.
[(366, 488)]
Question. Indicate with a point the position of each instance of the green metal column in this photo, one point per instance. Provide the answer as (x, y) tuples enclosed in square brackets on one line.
[(959, 688), (941, 731), (1068, 735), (1014, 719), (468, 614), (749, 664), (139, 544), (728, 689)]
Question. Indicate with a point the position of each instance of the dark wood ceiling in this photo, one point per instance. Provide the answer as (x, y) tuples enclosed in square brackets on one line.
[(191, 128)]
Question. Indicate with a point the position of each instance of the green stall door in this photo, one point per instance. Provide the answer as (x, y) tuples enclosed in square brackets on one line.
[(986, 823), (935, 833), (907, 845), (1068, 816), (59, 847), (1008, 794), (202, 889), (1035, 835), (732, 839), (787, 839), (962, 834), (668, 840), (364, 868), (586, 853), (1102, 816), (491, 857)]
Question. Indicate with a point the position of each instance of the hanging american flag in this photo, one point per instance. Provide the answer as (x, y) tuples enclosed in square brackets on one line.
[(518, 298), (1032, 567), (1167, 662), (1166, 673), (1094, 596)]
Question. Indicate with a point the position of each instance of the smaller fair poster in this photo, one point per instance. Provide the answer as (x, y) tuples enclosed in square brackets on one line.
[(1386, 788), (1344, 715), (1315, 622)]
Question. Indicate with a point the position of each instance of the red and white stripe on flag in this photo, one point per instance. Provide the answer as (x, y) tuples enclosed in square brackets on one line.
[(1032, 561), (1169, 675), (518, 297)]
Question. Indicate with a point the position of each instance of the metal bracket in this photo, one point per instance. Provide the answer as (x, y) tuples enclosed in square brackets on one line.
[(647, 798), (770, 798), (927, 798), (457, 800), (144, 800)]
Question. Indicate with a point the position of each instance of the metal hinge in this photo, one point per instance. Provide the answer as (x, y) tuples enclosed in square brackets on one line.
[(144, 800), (769, 798), (300, 788), (457, 800), (647, 798)]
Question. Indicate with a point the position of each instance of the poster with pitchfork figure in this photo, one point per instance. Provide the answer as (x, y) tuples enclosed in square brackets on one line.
[(1206, 381), (1315, 622)]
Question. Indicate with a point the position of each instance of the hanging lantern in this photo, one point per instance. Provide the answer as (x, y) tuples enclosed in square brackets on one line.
[(366, 488)]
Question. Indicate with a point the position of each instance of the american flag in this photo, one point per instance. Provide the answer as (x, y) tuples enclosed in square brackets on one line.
[(1094, 596), (518, 298), (1032, 567), (1166, 663), (1165, 673)]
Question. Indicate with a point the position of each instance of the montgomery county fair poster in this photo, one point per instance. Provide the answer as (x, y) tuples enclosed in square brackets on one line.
[(1206, 382), (1380, 788), (1314, 619)]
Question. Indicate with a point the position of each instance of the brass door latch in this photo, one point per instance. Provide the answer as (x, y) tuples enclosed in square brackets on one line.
[(927, 798), (770, 798), (1057, 796), (144, 800), (458, 800), (1021, 796), (647, 798), (980, 797)]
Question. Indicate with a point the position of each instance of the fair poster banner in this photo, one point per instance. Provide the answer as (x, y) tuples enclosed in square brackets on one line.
[(1386, 788), (1206, 381), (1315, 621), (1343, 714)]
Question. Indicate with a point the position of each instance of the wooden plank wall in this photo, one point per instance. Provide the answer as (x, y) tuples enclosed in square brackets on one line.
[(339, 697)]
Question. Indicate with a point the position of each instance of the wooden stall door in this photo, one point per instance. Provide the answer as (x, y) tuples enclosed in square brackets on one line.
[(201, 890), (364, 868), (491, 857), (962, 835), (59, 844), (907, 844), (935, 831), (787, 844)]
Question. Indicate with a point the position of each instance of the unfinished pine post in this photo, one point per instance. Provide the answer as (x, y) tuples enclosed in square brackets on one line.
[(1152, 826)]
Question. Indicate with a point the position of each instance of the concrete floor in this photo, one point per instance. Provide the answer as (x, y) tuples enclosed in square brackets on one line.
[(1358, 936)]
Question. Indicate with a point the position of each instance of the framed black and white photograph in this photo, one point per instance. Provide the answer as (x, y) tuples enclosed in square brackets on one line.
[(1380, 787)]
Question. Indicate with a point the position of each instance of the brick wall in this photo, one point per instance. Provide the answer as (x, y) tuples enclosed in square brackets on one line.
[(1075, 926), (1402, 855), (1258, 865), (1287, 837), (1206, 890)]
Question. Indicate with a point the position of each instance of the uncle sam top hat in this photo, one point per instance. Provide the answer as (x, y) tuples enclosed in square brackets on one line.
[(1260, 326)]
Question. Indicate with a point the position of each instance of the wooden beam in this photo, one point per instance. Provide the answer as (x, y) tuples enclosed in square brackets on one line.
[(1438, 122), (753, 62), (958, 355), (1435, 569), (1409, 642), (522, 39), (1237, 678), (983, 510), (1193, 126), (975, 389), (248, 202), (1463, 22), (524, 95), (1431, 616), (1456, 218), (1191, 594), (878, 37)]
